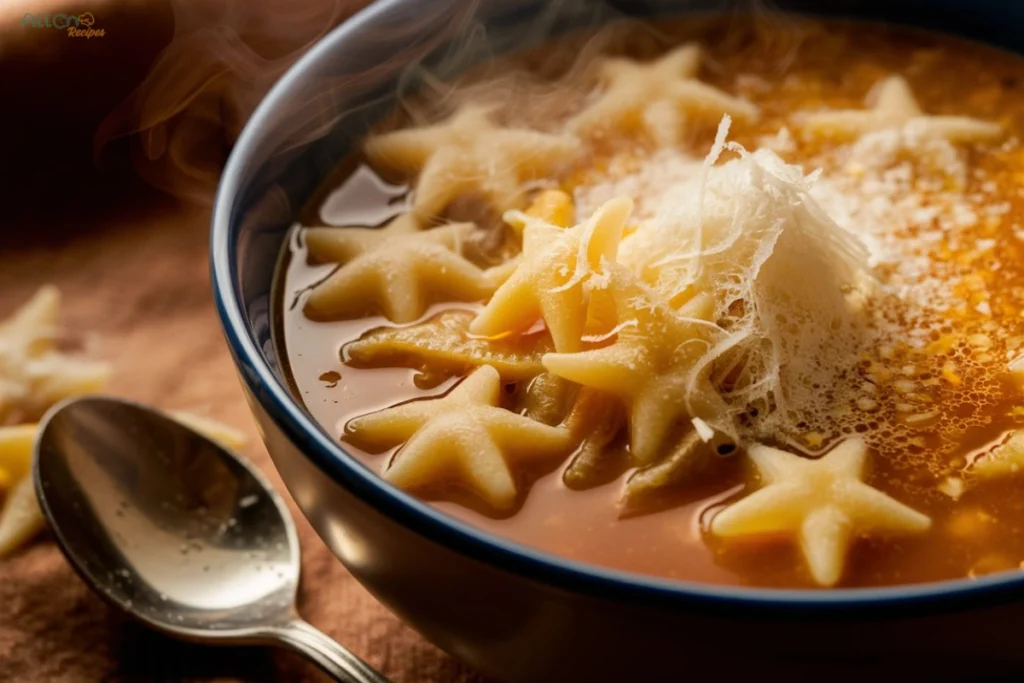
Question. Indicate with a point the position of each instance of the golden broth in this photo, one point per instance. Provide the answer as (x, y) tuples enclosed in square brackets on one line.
[(804, 68)]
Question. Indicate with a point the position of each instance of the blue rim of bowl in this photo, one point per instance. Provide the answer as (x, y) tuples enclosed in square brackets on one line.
[(502, 554)]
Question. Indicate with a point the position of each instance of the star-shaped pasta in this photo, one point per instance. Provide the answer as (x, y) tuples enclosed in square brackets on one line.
[(341, 245), (469, 154), (823, 502), (34, 374), (462, 438), (552, 279), (444, 343), (650, 365), (400, 271), (892, 105), (553, 207), (655, 96)]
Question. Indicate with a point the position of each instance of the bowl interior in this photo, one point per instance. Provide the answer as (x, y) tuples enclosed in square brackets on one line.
[(325, 104)]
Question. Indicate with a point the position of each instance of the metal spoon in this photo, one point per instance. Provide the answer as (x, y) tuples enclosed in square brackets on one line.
[(176, 530)]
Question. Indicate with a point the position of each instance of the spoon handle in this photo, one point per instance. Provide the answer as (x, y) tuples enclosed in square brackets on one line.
[(326, 653)]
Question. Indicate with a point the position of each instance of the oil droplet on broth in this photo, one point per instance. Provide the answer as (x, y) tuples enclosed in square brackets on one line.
[(330, 378)]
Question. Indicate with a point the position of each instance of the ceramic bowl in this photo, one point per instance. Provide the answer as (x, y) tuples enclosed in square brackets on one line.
[(509, 611)]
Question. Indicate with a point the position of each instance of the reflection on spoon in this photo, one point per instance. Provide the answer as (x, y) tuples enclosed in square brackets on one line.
[(176, 530)]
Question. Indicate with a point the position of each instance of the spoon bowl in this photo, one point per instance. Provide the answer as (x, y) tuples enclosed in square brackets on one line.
[(175, 529)]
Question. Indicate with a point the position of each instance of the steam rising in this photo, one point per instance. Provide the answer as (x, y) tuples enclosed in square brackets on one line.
[(225, 55), (182, 121)]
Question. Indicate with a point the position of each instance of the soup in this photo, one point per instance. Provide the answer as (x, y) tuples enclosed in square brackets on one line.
[(716, 302)]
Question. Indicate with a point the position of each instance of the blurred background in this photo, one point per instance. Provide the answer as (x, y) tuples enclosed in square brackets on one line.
[(158, 98)]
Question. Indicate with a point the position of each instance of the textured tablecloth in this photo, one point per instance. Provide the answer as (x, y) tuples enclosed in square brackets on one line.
[(137, 277), (132, 264)]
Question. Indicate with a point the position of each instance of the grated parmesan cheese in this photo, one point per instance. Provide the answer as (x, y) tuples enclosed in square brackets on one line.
[(901, 206), (788, 281)]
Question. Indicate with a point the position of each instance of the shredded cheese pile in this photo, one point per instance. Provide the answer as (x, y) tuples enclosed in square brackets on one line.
[(789, 283)]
